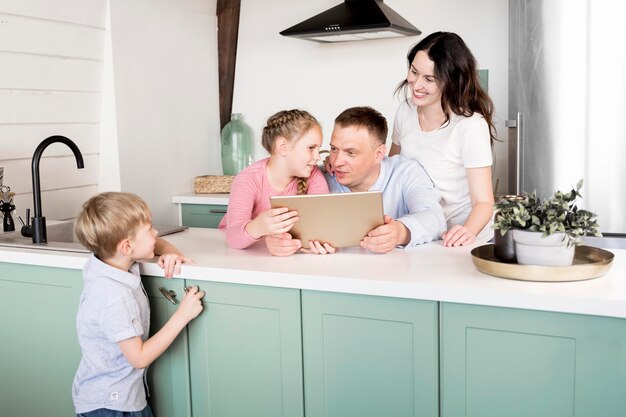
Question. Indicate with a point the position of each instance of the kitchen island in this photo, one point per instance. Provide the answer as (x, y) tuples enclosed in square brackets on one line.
[(413, 332)]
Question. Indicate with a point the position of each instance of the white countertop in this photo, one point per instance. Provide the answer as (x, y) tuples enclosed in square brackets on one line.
[(192, 198), (426, 272)]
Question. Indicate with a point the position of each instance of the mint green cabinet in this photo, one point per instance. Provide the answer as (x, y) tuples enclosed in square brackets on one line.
[(39, 351), (509, 362), (168, 376), (202, 215), (245, 352), (369, 356)]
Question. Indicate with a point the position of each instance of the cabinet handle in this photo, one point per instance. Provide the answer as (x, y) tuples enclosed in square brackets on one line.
[(217, 211), (169, 295)]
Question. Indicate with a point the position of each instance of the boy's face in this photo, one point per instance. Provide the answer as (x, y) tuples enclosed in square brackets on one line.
[(143, 242)]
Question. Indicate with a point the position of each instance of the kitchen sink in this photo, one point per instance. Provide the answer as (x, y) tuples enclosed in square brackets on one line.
[(60, 236)]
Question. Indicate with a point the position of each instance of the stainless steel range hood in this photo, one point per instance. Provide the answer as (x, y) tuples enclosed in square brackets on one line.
[(353, 20)]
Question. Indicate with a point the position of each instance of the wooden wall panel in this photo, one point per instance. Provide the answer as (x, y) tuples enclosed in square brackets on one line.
[(84, 12), (36, 72), (19, 106), (20, 141), (37, 36)]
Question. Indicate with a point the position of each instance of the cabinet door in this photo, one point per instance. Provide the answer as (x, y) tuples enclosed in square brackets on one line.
[(509, 362), (168, 376), (369, 356), (39, 351), (202, 215), (245, 352)]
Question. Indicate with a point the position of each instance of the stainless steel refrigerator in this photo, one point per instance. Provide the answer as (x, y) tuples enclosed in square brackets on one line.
[(567, 102)]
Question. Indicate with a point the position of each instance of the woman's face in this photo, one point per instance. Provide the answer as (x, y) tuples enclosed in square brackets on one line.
[(425, 88)]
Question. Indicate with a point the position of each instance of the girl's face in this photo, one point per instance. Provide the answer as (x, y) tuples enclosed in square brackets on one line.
[(305, 153), (424, 86)]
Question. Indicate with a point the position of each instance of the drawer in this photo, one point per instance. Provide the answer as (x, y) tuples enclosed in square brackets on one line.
[(202, 215)]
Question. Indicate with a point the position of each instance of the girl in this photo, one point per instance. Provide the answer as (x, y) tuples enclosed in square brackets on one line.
[(446, 123), (293, 139)]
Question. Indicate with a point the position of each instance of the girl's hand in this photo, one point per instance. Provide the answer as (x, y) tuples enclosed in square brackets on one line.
[(319, 248), (272, 222), (170, 262), (191, 305), (457, 236), (328, 167)]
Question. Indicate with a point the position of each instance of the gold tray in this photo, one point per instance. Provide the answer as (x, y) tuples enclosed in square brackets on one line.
[(589, 262)]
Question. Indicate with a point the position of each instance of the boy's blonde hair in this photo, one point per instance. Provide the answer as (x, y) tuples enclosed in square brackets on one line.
[(108, 218), (291, 125)]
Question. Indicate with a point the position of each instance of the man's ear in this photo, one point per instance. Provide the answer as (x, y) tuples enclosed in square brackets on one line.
[(281, 145), (380, 152)]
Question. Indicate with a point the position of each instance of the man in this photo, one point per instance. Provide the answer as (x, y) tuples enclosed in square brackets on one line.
[(357, 162)]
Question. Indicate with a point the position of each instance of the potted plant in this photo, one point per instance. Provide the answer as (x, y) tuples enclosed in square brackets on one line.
[(545, 233)]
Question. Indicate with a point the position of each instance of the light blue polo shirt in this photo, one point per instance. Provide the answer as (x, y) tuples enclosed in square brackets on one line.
[(113, 307)]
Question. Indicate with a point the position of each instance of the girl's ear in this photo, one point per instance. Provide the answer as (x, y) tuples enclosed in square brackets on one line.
[(281, 145)]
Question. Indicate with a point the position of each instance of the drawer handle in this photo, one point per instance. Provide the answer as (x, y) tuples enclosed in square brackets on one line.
[(217, 211), (169, 295)]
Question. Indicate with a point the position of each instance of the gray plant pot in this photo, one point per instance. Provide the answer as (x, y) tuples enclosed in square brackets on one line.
[(531, 248)]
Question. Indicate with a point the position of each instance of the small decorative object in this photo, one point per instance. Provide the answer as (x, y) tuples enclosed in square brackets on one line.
[(237, 145), (212, 184), (504, 245), (6, 207), (558, 225)]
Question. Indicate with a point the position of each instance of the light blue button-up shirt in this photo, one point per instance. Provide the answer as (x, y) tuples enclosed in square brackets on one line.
[(409, 196), (113, 307)]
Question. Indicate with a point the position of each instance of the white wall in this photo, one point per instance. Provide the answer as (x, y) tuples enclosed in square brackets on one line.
[(275, 72), (166, 99), (50, 84)]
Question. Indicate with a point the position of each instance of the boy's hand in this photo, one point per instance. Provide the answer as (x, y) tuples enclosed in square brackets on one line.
[(191, 305), (170, 262), (272, 221)]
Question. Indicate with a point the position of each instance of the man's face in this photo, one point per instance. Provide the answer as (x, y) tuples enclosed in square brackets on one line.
[(355, 157)]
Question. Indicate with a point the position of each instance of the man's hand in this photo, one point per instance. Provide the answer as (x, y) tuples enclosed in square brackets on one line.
[(282, 244), (385, 238)]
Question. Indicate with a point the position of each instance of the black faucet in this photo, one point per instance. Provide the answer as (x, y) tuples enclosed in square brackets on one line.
[(39, 222)]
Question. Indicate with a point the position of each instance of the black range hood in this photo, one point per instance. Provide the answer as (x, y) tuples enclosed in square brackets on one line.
[(353, 20)]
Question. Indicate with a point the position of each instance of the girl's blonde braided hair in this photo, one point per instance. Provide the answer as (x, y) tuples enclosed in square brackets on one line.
[(291, 125)]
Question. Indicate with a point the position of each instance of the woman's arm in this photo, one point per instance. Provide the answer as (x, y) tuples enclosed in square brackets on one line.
[(394, 150), (481, 194)]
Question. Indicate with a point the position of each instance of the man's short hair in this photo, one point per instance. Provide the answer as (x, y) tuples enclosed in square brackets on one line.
[(366, 117), (108, 218)]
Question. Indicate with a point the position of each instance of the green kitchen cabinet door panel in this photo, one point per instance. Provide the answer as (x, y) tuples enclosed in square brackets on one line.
[(39, 351), (202, 215), (168, 376), (517, 363), (369, 356), (245, 350)]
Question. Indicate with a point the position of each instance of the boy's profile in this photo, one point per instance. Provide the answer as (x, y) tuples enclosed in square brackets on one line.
[(113, 318)]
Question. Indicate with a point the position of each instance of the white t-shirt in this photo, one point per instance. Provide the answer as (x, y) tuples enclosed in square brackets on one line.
[(445, 153)]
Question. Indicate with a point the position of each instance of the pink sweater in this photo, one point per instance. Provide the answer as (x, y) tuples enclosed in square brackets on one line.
[(250, 195)]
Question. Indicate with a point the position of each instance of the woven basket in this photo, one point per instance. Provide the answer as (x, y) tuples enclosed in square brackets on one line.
[(213, 184)]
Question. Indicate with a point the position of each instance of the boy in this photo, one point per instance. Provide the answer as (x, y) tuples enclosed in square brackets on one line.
[(113, 318)]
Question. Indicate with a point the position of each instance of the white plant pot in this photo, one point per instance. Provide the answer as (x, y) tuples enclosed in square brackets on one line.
[(532, 248)]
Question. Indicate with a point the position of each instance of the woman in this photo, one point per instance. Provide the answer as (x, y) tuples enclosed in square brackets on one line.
[(446, 123)]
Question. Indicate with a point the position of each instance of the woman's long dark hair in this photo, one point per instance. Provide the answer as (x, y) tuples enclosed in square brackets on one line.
[(456, 73)]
